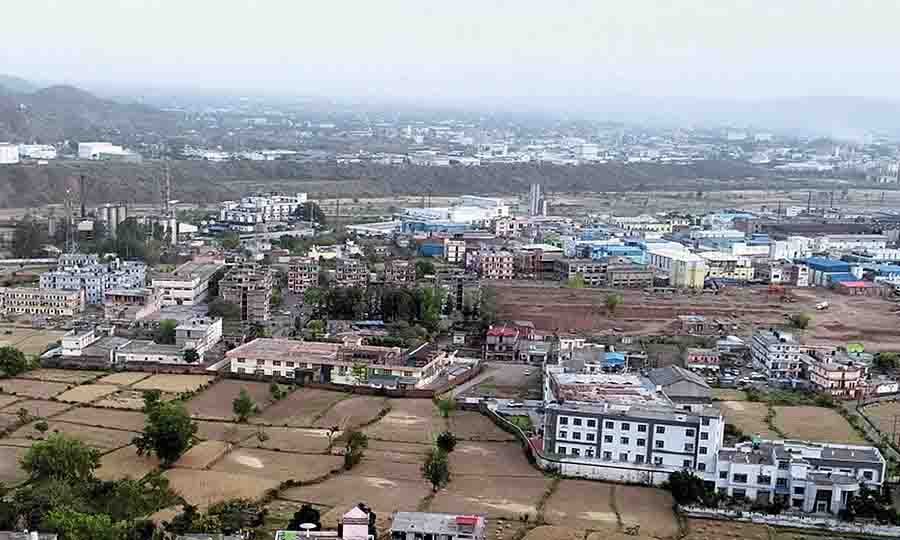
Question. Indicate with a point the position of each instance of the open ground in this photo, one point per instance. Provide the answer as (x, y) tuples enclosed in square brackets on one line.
[(796, 422), (28, 340)]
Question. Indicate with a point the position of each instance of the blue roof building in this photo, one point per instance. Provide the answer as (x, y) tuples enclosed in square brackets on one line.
[(829, 266)]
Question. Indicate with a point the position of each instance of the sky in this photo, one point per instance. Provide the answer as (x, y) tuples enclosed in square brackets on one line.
[(464, 49)]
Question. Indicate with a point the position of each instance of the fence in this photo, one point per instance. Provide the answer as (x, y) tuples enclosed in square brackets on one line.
[(797, 522)]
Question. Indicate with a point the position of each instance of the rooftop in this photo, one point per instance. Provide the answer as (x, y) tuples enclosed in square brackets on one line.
[(147, 347), (190, 270), (606, 388), (665, 376), (433, 523), (280, 349)]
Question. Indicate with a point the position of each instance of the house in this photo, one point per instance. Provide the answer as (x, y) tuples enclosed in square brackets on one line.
[(701, 359), (187, 285), (731, 345), (351, 273), (358, 523), (777, 352), (131, 305), (422, 525), (303, 274), (698, 325), (685, 388), (249, 287), (399, 271), (501, 343)]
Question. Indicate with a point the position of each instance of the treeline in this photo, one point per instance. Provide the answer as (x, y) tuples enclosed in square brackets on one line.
[(422, 305)]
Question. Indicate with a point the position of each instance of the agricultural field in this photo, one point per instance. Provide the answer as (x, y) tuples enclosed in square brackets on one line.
[(91, 416), (749, 417), (298, 440), (651, 508), (352, 412), (124, 378), (203, 488), (125, 463), (103, 439), (278, 466), (132, 400), (300, 409), (10, 472), (728, 394), (203, 454), (882, 416), (36, 407), (8, 400), (215, 402), (709, 529), (28, 340), (7, 420), (68, 376), (409, 420), (173, 384), (32, 388), (87, 393), (509, 498), (583, 504), (474, 426), (816, 424)]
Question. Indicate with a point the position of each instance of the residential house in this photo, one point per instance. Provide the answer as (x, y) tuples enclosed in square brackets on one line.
[(430, 525), (303, 274), (701, 359), (777, 352)]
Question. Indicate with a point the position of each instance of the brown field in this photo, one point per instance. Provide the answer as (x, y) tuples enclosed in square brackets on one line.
[(651, 508), (10, 472), (87, 393), (203, 488), (7, 420), (91, 416), (552, 532), (882, 415), (474, 426), (394, 448), (29, 340), (410, 420), (173, 384), (816, 424), (37, 407), (125, 378), (748, 417), (101, 438), (710, 529), (729, 394), (70, 376), (509, 498), (132, 400), (490, 459), (224, 431), (353, 412), (300, 409), (216, 401), (32, 389), (203, 454), (582, 503), (394, 457), (383, 495), (394, 470), (8, 400), (304, 441), (277, 465), (125, 463)]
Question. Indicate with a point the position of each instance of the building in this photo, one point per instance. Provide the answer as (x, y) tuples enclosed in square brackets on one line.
[(808, 477), (421, 525), (303, 274), (45, 302), (628, 276), (863, 288), (9, 154), (501, 342), (454, 250), (837, 373), (400, 271), (698, 325), (337, 363), (131, 304), (249, 286), (188, 284), (684, 269), (37, 151), (686, 389), (797, 275), (778, 353), (351, 273), (199, 333), (592, 272), (256, 209), (537, 205), (144, 352), (493, 264), (87, 273), (97, 150), (728, 266), (701, 359)]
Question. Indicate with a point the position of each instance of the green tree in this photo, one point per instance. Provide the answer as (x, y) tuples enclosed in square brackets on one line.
[(436, 468), (424, 268), (686, 487), (73, 525), (165, 334), (612, 302), (887, 360), (316, 327), (225, 309), (41, 426), (168, 430), (357, 442), (12, 361), (487, 308), (231, 241), (446, 441), (243, 405), (446, 405), (801, 321), (576, 282), (61, 459), (277, 298), (191, 356), (360, 373), (29, 238), (306, 514)]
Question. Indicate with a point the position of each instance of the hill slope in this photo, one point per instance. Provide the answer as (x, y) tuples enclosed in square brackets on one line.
[(11, 84)]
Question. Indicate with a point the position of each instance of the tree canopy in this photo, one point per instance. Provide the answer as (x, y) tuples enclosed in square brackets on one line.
[(62, 459), (243, 405), (12, 362), (225, 309), (436, 468), (168, 430)]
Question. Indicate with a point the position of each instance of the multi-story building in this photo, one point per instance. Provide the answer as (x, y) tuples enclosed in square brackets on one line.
[(494, 264), (797, 275), (187, 285), (684, 269), (399, 271), (249, 286), (778, 353), (131, 304), (837, 373), (728, 266), (809, 477), (419, 525), (592, 272), (701, 359), (501, 343), (261, 209), (303, 274), (46, 302), (87, 273), (454, 250), (199, 333), (628, 276), (351, 273)]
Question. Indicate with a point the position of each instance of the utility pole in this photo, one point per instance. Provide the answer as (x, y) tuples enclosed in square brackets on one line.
[(82, 195), (809, 203)]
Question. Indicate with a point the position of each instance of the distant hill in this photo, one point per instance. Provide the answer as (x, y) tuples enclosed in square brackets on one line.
[(16, 85)]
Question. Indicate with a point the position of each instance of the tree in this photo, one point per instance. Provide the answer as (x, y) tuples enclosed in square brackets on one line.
[(231, 241), (576, 282), (12, 361), (225, 309), (191, 356), (310, 211), (357, 442), (686, 487), (168, 430), (316, 328), (243, 405), (41, 426), (487, 307), (612, 302), (360, 373), (29, 238), (801, 320), (424, 268), (61, 459), (887, 360), (306, 514), (165, 334), (73, 525), (446, 406), (446, 441), (277, 298), (436, 468), (277, 392)]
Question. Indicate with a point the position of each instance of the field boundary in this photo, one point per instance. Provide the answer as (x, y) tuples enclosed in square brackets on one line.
[(791, 522)]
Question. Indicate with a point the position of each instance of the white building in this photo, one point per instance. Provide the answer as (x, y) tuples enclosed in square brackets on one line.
[(199, 333), (93, 150), (778, 353), (850, 242), (261, 208), (31, 301), (187, 285), (9, 154), (454, 251), (685, 269), (87, 273), (37, 151)]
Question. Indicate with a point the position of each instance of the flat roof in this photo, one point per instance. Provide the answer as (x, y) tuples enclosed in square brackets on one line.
[(280, 349), (145, 346), (190, 270)]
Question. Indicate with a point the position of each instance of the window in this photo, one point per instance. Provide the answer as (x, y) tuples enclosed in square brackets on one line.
[(763, 479), (589, 452), (576, 435), (561, 449), (563, 434), (576, 421), (642, 428), (705, 421), (607, 455), (689, 433), (626, 426), (642, 442), (688, 463), (276, 362), (607, 438), (723, 475), (260, 362), (739, 478), (564, 420), (590, 437), (657, 460), (623, 440), (591, 423), (576, 451), (688, 447), (738, 493), (660, 429), (781, 482), (290, 364), (783, 465), (867, 475), (660, 444), (639, 458), (799, 490), (623, 456), (701, 466), (703, 450), (704, 436), (608, 425)]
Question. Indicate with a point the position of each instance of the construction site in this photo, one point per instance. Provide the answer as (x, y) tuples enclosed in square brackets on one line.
[(728, 311)]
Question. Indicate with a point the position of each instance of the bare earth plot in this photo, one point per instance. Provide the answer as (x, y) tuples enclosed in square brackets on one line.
[(300, 409), (173, 384), (352, 412), (216, 401), (383, 495), (8, 400), (509, 498), (748, 416), (103, 439), (304, 441), (816, 424), (703, 529), (203, 488), (203, 454), (125, 463), (87, 393), (69, 376), (125, 378), (10, 472), (224, 431), (410, 420), (92, 416), (553, 532), (490, 459), (37, 407), (29, 340), (279, 466), (394, 470), (7, 420), (33, 389), (651, 508), (474, 426), (581, 503), (128, 399), (882, 415)]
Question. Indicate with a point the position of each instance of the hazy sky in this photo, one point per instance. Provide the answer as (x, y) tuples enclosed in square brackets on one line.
[(464, 48)]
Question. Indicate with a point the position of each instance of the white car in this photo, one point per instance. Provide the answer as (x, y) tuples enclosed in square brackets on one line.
[(527, 372)]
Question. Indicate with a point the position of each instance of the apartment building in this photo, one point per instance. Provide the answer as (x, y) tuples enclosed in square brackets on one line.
[(351, 273), (727, 266), (501, 343), (797, 275), (187, 285), (684, 269), (628, 276), (494, 264), (199, 333), (399, 271), (778, 353), (809, 477), (131, 304), (261, 208), (303, 274), (454, 250), (249, 286), (701, 359), (837, 374), (46, 302), (86, 272)]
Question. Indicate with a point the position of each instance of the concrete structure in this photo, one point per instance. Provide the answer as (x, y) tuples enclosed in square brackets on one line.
[(142, 351), (864, 288), (628, 276), (87, 273), (684, 269), (592, 272), (199, 333), (725, 265), (303, 274), (95, 150), (838, 373), (501, 343), (256, 209), (421, 525), (686, 389), (249, 287), (493, 264), (400, 271), (47, 302), (701, 359), (37, 151), (778, 353), (187, 285), (9, 154), (454, 250), (351, 273), (131, 304), (112, 216), (537, 205)]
